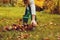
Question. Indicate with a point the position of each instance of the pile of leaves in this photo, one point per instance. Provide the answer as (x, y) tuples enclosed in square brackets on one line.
[(20, 27)]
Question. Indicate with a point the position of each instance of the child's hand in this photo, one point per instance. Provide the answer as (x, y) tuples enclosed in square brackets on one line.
[(34, 23)]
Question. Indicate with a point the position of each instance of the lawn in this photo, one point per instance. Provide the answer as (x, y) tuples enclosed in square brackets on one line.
[(48, 25)]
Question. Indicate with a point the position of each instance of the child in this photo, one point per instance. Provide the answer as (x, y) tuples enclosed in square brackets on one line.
[(30, 8)]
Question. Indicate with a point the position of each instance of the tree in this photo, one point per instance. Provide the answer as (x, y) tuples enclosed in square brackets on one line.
[(57, 8)]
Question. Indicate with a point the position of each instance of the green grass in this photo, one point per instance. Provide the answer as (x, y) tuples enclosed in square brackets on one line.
[(48, 24)]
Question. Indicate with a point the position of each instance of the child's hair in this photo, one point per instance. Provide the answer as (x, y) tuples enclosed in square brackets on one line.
[(25, 1)]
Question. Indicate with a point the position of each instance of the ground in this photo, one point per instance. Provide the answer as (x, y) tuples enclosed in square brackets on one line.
[(48, 25)]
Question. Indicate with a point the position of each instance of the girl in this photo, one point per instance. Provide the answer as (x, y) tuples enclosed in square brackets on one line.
[(30, 8)]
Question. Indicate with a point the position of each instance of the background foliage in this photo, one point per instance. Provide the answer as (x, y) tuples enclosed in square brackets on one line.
[(51, 6)]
